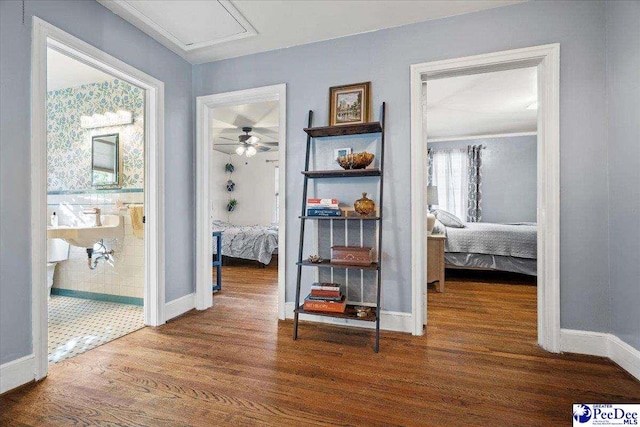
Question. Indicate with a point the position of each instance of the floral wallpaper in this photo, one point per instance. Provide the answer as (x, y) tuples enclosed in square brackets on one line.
[(69, 145)]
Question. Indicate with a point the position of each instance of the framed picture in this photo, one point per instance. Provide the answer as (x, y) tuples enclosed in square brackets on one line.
[(339, 152), (350, 104)]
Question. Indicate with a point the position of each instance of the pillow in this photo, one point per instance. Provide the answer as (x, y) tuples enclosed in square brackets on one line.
[(439, 228), (448, 219)]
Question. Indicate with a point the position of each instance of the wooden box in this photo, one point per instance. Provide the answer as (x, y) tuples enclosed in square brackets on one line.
[(352, 255)]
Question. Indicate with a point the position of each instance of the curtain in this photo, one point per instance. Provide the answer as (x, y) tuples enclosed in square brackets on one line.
[(448, 170), (474, 182)]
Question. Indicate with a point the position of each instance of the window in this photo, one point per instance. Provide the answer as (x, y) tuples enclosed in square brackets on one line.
[(450, 175)]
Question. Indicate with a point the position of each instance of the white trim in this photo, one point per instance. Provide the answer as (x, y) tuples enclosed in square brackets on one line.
[(179, 306), (16, 373), (204, 297), (44, 35), (547, 58), (486, 136), (123, 9), (389, 320), (604, 345)]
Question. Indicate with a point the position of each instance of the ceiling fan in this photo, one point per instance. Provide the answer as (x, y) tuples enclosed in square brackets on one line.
[(249, 145)]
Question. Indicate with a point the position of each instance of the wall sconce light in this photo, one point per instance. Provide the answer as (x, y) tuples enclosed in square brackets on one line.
[(118, 118)]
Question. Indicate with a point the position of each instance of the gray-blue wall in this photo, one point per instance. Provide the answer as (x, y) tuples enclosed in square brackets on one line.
[(508, 176), (98, 26), (384, 58), (623, 93)]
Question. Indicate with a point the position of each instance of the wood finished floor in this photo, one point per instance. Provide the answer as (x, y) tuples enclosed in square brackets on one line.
[(235, 364)]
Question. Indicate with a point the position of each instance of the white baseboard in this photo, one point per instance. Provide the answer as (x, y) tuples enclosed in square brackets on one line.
[(179, 306), (16, 373), (624, 355), (604, 345), (389, 320)]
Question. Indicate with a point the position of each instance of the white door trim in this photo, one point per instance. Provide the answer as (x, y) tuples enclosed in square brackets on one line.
[(547, 59), (44, 35), (204, 104)]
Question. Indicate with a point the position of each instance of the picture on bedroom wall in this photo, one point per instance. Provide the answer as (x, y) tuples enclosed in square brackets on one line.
[(350, 104)]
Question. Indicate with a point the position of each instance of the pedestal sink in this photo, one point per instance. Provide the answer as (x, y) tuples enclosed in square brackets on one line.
[(85, 236)]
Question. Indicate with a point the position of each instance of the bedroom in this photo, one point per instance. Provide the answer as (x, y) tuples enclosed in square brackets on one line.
[(481, 195), (245, 184)]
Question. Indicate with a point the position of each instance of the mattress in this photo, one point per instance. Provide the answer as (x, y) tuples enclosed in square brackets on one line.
[(511, 240)]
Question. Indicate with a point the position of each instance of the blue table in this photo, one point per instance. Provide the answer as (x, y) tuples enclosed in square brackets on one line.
[(217, 260)]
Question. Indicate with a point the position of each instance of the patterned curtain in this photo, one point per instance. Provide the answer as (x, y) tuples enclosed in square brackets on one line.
[(474, 211)]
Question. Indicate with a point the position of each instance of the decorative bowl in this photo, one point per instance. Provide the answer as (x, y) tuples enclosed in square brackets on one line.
[(355, 160)]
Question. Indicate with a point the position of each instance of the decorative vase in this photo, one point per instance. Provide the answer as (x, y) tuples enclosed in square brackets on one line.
[(364, 206)]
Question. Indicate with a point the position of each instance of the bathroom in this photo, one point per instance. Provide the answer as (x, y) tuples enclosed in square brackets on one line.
[(95, 206)]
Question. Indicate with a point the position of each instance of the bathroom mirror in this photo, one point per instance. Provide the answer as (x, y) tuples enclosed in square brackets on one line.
[(104, 160)]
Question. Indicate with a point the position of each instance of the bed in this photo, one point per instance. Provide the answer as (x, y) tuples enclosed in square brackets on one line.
[(254, 242), (488, 246)]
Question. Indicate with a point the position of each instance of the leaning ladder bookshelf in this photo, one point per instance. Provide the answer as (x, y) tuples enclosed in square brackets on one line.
[(314, 133)]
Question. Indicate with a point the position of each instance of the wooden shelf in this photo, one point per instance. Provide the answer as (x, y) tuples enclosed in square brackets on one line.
[(342, 218), (329, 264), (357, 129), (342, 173), (349, 313)]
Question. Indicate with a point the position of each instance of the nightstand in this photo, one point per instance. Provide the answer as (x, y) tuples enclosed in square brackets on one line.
[(435, 260)]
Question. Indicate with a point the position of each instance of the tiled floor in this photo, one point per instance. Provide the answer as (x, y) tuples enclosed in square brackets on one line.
[(77, 325)]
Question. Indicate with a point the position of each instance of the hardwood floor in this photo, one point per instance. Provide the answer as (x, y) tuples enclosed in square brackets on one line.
[(235, 364)]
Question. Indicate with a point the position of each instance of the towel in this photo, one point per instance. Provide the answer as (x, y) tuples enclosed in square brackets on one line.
[(137, 213)]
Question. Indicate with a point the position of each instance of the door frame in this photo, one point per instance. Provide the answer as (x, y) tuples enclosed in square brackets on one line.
[(547, 60), (45, 35), (204, 153)]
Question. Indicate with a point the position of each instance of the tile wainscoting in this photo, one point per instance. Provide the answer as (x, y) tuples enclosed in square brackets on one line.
[(123, 274)]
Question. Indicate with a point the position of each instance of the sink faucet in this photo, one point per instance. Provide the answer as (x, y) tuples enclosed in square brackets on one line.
[(96, 212)]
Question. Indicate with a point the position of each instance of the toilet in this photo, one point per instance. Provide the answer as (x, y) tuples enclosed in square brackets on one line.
[(57, 251)]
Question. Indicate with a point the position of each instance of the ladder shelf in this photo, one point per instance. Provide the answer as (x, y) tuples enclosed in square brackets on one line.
[(314, 133)]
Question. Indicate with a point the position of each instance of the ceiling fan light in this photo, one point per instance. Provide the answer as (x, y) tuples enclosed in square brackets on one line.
[(251, 151), (240, 151), (253, 139)]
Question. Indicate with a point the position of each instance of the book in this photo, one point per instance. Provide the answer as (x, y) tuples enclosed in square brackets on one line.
[(314, 298), (314, 206), (316, 293), (323, 212), (322, 201), (325, 306), (325, 286)]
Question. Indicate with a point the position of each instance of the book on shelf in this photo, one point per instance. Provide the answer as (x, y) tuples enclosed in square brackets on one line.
[(322, 202), (311, 297), (325, 286), (325, 305), (325, 294), (323, 212)]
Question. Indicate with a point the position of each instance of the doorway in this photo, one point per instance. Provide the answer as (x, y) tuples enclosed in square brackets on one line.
[(45, 37), (224, 119), (546, 61)]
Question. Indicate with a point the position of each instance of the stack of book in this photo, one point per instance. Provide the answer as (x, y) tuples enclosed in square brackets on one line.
[(325, 297), (323, 207)]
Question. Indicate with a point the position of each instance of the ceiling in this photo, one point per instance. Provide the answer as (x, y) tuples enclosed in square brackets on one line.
[(227, 123), (64, 71), (205, 31), (500, 102)]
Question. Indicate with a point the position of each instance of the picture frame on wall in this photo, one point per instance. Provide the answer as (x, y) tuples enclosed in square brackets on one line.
[(350, 104), (339, 152)]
